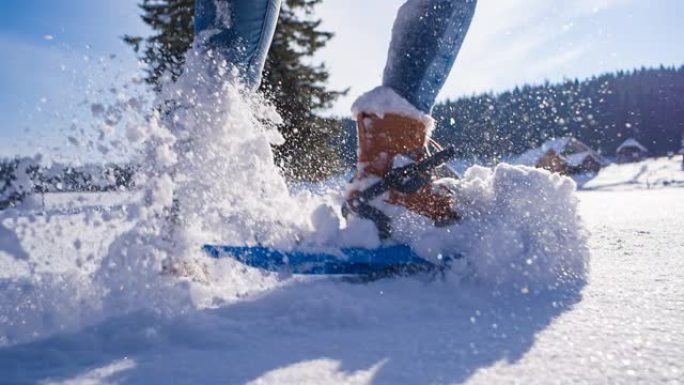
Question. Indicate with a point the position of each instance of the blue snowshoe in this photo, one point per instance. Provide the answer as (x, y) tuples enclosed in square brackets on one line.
[(389, 260)]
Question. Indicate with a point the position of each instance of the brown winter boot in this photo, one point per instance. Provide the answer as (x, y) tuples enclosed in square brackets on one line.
[(380, 141)]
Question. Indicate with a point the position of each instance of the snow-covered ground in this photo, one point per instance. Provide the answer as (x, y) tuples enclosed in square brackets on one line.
[(625, 326)]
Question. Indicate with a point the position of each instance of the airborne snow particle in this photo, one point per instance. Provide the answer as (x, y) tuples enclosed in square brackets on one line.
[(97, 109)]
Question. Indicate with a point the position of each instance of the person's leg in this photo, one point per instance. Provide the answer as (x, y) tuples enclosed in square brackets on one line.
[(426, 38), (393, 120), (240, 31)]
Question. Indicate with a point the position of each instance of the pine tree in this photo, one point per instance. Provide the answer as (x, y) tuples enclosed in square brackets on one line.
[(296, 87), (164, 51), (297, 90)]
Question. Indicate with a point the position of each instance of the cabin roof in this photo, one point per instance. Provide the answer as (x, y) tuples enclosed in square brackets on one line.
[(578, 159), (631, 143)]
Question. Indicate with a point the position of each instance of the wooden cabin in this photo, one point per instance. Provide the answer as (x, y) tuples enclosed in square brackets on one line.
[(584, 162), (553, 162), (567, 156), (630, 151)]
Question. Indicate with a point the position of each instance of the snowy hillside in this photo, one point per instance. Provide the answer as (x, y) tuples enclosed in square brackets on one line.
[(649, 173)]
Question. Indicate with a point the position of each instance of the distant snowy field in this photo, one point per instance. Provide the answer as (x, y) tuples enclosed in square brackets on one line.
[(625, 326)]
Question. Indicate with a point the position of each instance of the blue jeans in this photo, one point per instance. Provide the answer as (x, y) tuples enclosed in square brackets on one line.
[(426, 38), (240, 31)]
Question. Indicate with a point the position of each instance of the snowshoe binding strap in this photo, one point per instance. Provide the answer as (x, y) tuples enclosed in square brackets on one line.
[(406, 179)]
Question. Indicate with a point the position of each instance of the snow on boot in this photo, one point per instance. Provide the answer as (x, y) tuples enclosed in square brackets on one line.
[(391, 141)]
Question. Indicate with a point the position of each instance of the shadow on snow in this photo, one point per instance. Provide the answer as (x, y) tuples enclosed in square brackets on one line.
[(414, 332)]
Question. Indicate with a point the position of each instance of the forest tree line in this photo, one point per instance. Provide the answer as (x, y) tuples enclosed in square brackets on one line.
[(22, 176), (603, 111)]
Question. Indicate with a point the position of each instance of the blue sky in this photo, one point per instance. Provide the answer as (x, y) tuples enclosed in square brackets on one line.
[(57, 52), (512, 42)]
